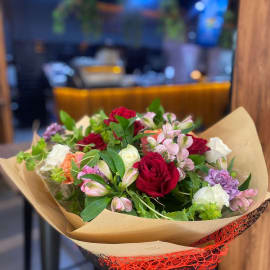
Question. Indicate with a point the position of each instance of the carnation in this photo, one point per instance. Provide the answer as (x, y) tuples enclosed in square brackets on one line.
[(223, 178), (212, 194), (92, 138)]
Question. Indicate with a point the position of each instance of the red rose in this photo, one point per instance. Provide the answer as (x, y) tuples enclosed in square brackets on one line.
[(198, 146), (156, 177), (126, 113), (95, 139)]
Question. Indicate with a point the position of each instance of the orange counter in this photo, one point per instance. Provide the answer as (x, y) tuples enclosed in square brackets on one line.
[(205, 100)]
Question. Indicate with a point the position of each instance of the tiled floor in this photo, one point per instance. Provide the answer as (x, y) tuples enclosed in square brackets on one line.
[(11, 237)]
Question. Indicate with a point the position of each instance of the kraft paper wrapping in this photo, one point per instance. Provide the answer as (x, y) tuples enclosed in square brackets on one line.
[(118, 234)]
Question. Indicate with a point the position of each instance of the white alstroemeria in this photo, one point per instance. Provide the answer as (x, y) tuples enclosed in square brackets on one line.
[(185, 124), (130, 177), (148, 120), (55, 157), (104, 168), (217, 150), (129, 155), (215, 194)]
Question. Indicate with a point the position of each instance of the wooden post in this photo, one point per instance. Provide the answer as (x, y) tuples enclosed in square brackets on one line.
[(251, 89), (6, 130)]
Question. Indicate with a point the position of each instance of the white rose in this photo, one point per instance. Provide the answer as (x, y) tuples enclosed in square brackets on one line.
[(130, 155), (55, 157), (218, 150), (215, 194)]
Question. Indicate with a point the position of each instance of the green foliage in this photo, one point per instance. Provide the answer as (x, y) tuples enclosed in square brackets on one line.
[(67, 120), (93, 207), (57, 138), (178, 215), (90, 158), (118, 163), (246, 184), (158, 109), (230, 167), (204, 211), (57, 175), (96, 178), (38, 153)]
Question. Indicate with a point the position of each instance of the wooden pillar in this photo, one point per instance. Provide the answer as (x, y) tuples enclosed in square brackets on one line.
[(251, 89), (6, 130)]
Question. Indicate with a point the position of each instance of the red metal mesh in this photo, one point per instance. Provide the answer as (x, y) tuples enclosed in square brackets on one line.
[(196, 259)]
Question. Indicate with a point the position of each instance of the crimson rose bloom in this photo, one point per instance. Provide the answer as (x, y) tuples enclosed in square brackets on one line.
[(156, 177), (126, 113), (198, 147), (95, 139)]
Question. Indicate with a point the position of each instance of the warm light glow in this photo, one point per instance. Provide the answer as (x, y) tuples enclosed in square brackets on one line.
[(196, 75), (103, 69)]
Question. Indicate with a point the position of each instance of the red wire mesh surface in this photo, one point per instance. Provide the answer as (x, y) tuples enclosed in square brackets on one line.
[(196, 259)]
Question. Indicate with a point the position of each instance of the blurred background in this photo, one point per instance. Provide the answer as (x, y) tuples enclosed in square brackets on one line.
[(83, 55)]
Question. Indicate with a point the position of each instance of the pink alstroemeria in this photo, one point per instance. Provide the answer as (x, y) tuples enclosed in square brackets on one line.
[(168, 132), (121, 204), (184, 163), (184, 141), (169, 117), (93, 189), (242, 201)]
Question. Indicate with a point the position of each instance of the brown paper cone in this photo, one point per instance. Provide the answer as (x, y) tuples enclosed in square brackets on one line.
[(106, 232)]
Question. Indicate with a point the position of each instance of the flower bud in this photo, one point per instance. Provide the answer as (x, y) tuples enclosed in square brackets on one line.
[(93, 188), (130, 177), (121, 204), (104, 169), (222, 163), (130, 155)]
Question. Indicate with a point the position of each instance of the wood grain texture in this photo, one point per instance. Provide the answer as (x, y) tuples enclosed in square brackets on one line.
[(6, 131), (206, 100), (251, 89)]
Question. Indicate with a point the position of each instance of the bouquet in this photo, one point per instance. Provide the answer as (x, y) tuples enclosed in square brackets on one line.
[(132, 184), (148, 165)]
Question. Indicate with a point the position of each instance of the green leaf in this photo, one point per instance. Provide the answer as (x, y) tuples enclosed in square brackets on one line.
[(141, 135), (196, 182), (30, 164), (203, 168), (118, 162), (117, 128), (90, 159), (245, 185), (57, 138), (67, 120), (39, 150), (87, 131), (57, 175), (197, 159), (20, 157), (74, 169), (122, 121), (178, 215), (78, 133), (230, 167), (107, 158), (95, 177), (94, 207), (157, 108), (204, 211)]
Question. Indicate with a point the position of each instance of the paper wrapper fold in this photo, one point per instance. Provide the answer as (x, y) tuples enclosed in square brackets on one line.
[(118, 234)]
